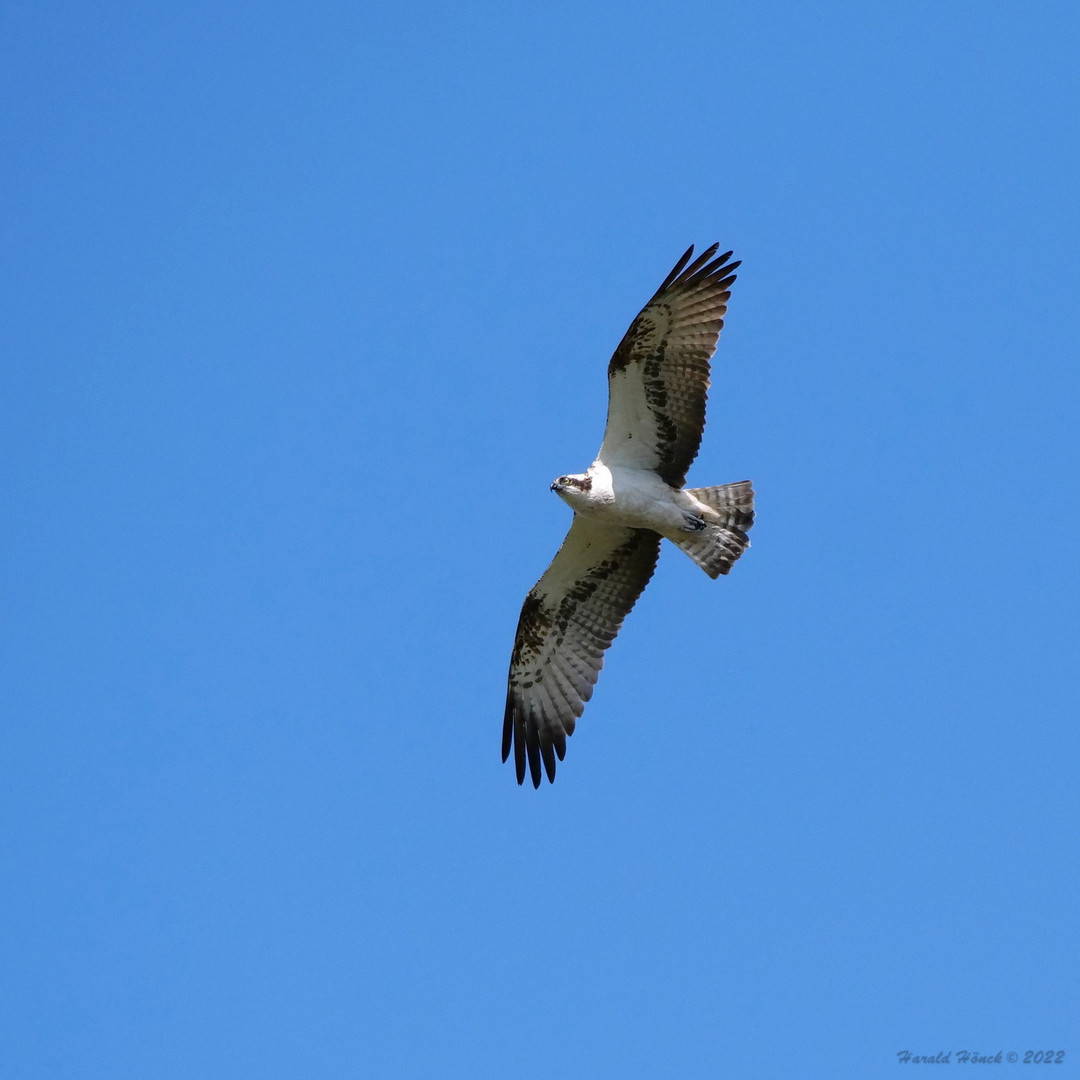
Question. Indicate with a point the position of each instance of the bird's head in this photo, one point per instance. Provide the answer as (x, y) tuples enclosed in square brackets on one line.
[(573, 488)]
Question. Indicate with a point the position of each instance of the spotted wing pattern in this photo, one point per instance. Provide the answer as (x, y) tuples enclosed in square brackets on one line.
[(568, 619), (658, 378)]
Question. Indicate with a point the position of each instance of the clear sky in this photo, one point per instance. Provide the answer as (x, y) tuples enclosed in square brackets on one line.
[(305, 305)]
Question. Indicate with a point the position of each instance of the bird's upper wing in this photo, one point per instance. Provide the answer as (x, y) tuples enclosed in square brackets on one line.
[(569, 618), (659, 375)]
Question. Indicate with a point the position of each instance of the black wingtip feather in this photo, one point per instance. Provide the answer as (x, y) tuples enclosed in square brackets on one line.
[(508, 728), (532, 747), (705, 271), (696, 266), (528, 747), (547, 752), (704, 266), (517, 734), (681, 272), (677, 268)]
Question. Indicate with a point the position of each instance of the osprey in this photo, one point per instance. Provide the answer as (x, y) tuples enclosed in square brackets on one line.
[(627, 499)]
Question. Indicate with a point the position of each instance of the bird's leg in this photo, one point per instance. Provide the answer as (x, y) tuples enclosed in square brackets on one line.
[(692, 523)]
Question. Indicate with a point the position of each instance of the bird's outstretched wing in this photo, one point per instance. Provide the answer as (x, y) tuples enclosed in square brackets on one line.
[(569, 618), (659, 376)]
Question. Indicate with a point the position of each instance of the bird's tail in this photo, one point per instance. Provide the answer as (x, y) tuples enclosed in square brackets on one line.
[(730, 513)]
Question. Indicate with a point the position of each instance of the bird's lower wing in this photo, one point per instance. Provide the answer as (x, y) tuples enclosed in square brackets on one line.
[(568, 619)]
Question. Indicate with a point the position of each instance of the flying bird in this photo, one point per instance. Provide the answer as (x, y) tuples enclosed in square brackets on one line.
[(629, 497)]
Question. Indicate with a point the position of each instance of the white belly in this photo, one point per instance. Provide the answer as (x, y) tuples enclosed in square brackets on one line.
[(635, 497)]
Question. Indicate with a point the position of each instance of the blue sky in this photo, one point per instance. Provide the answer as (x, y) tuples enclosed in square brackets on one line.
[(305, 306)]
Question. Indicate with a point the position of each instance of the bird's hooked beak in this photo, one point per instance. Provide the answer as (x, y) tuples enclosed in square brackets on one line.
[(555, 485)]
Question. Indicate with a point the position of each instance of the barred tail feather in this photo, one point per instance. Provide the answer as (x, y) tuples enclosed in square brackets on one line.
[(716, 547), (728, 498)]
